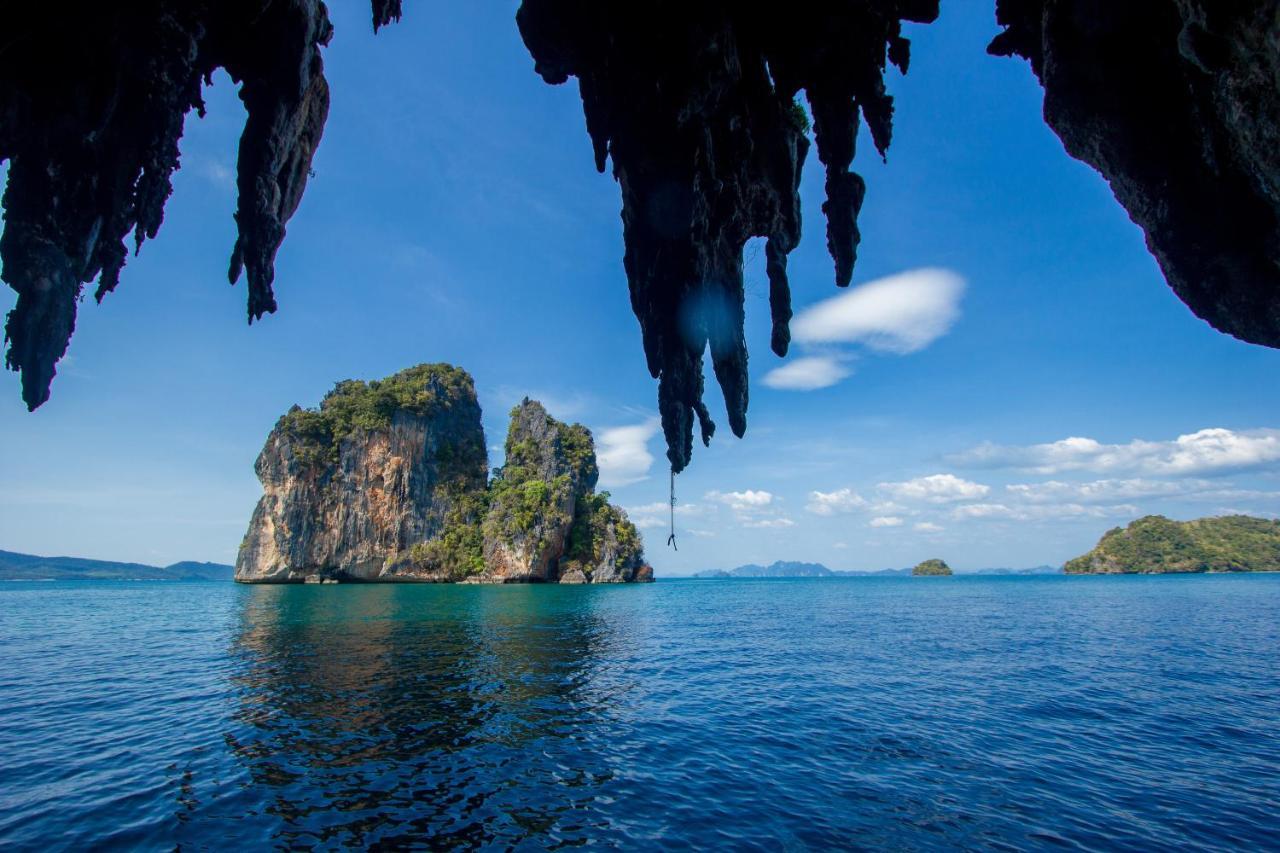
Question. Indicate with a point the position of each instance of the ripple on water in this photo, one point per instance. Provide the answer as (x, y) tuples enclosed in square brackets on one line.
[(976, 712)]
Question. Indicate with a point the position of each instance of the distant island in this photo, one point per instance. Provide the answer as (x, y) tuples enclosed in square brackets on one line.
[(29, 567), (389, 481), (792, 569), (1154, 544), (932, 568)]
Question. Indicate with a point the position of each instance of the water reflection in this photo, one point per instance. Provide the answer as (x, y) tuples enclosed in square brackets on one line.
[(384, 714)]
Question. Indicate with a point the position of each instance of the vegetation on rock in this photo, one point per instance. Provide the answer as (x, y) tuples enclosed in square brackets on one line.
[(354, 405), (1154, 544), (387, 480), (598, 528), (931, 568)]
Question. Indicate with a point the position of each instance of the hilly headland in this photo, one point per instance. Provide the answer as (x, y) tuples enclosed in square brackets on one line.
[(1154, 544)]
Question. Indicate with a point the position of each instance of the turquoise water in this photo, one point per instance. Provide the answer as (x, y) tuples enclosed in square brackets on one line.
[(1107, 713)]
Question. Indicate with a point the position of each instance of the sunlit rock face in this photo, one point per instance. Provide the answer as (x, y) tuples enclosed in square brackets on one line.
[(348, 491), (92, 102), (387, 481), (1177, 104), (695, 105)]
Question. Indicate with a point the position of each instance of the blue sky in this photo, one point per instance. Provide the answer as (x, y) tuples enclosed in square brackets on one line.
[(1009, 377)]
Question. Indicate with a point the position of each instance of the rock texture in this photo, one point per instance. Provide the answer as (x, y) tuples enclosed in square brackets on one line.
[(1154, 544), (1177, 104), (92, 101), (695, 103), (387, 482), (349, 490)]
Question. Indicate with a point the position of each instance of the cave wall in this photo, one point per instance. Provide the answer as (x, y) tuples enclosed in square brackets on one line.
[(695, 105), (1177, 104)]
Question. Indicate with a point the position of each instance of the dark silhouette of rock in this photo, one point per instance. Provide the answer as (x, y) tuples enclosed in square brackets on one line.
[(696, 106), (1176, 103)]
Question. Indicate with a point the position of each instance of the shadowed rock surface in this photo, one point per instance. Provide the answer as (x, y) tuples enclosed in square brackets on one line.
[(695, 105), (1177, 104), (92, 102), (1174, 101), (386, 481)]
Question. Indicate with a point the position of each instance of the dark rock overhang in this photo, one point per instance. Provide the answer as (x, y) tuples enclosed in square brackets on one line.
[(1173, 101)]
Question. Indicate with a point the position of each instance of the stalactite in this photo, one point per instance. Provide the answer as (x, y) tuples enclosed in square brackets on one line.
[(695, 105), (92, 103)]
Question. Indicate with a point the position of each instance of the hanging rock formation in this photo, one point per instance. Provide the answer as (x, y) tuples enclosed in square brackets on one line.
[(695, 105), (92, 102), (1177, 104), (386, 481)]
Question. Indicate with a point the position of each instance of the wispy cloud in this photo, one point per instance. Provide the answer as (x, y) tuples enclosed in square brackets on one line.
[(835, 503), (899, 314), (1209, 451), (936, 488), (1041, 512), (886, 521), (623, 453), (781, 521), (807, 374), (927, 527), (744, 501)]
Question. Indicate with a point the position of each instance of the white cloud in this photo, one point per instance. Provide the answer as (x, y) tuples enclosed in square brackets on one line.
[(744, 501), (807, 374), (658, 514), (770, 522), (936, 488), (1041, 512), (1209, 451), (623, 453), (1103, 491), (901, 313), (928, 527), (840, 545), (886, 521), (832, 503)]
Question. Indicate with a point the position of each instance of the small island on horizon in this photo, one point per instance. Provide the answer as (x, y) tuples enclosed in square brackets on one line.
[(932, 568)]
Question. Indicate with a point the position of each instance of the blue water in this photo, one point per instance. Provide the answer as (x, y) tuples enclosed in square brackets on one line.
[(1116, 712)]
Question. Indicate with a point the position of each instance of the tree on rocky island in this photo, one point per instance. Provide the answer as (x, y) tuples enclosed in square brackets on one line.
[(931, 568)]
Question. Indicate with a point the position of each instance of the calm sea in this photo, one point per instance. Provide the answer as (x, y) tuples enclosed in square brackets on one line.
[(1120, 712)]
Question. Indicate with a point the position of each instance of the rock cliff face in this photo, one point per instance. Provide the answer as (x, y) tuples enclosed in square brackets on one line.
[(387, 482)]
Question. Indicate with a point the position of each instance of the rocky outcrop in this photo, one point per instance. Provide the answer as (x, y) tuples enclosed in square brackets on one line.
[(1154, 544), (1177, 104), (351, 489), (386, 481), (550, 467)]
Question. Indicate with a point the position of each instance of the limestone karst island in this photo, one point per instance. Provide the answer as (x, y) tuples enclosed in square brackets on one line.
[(388, 481)]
